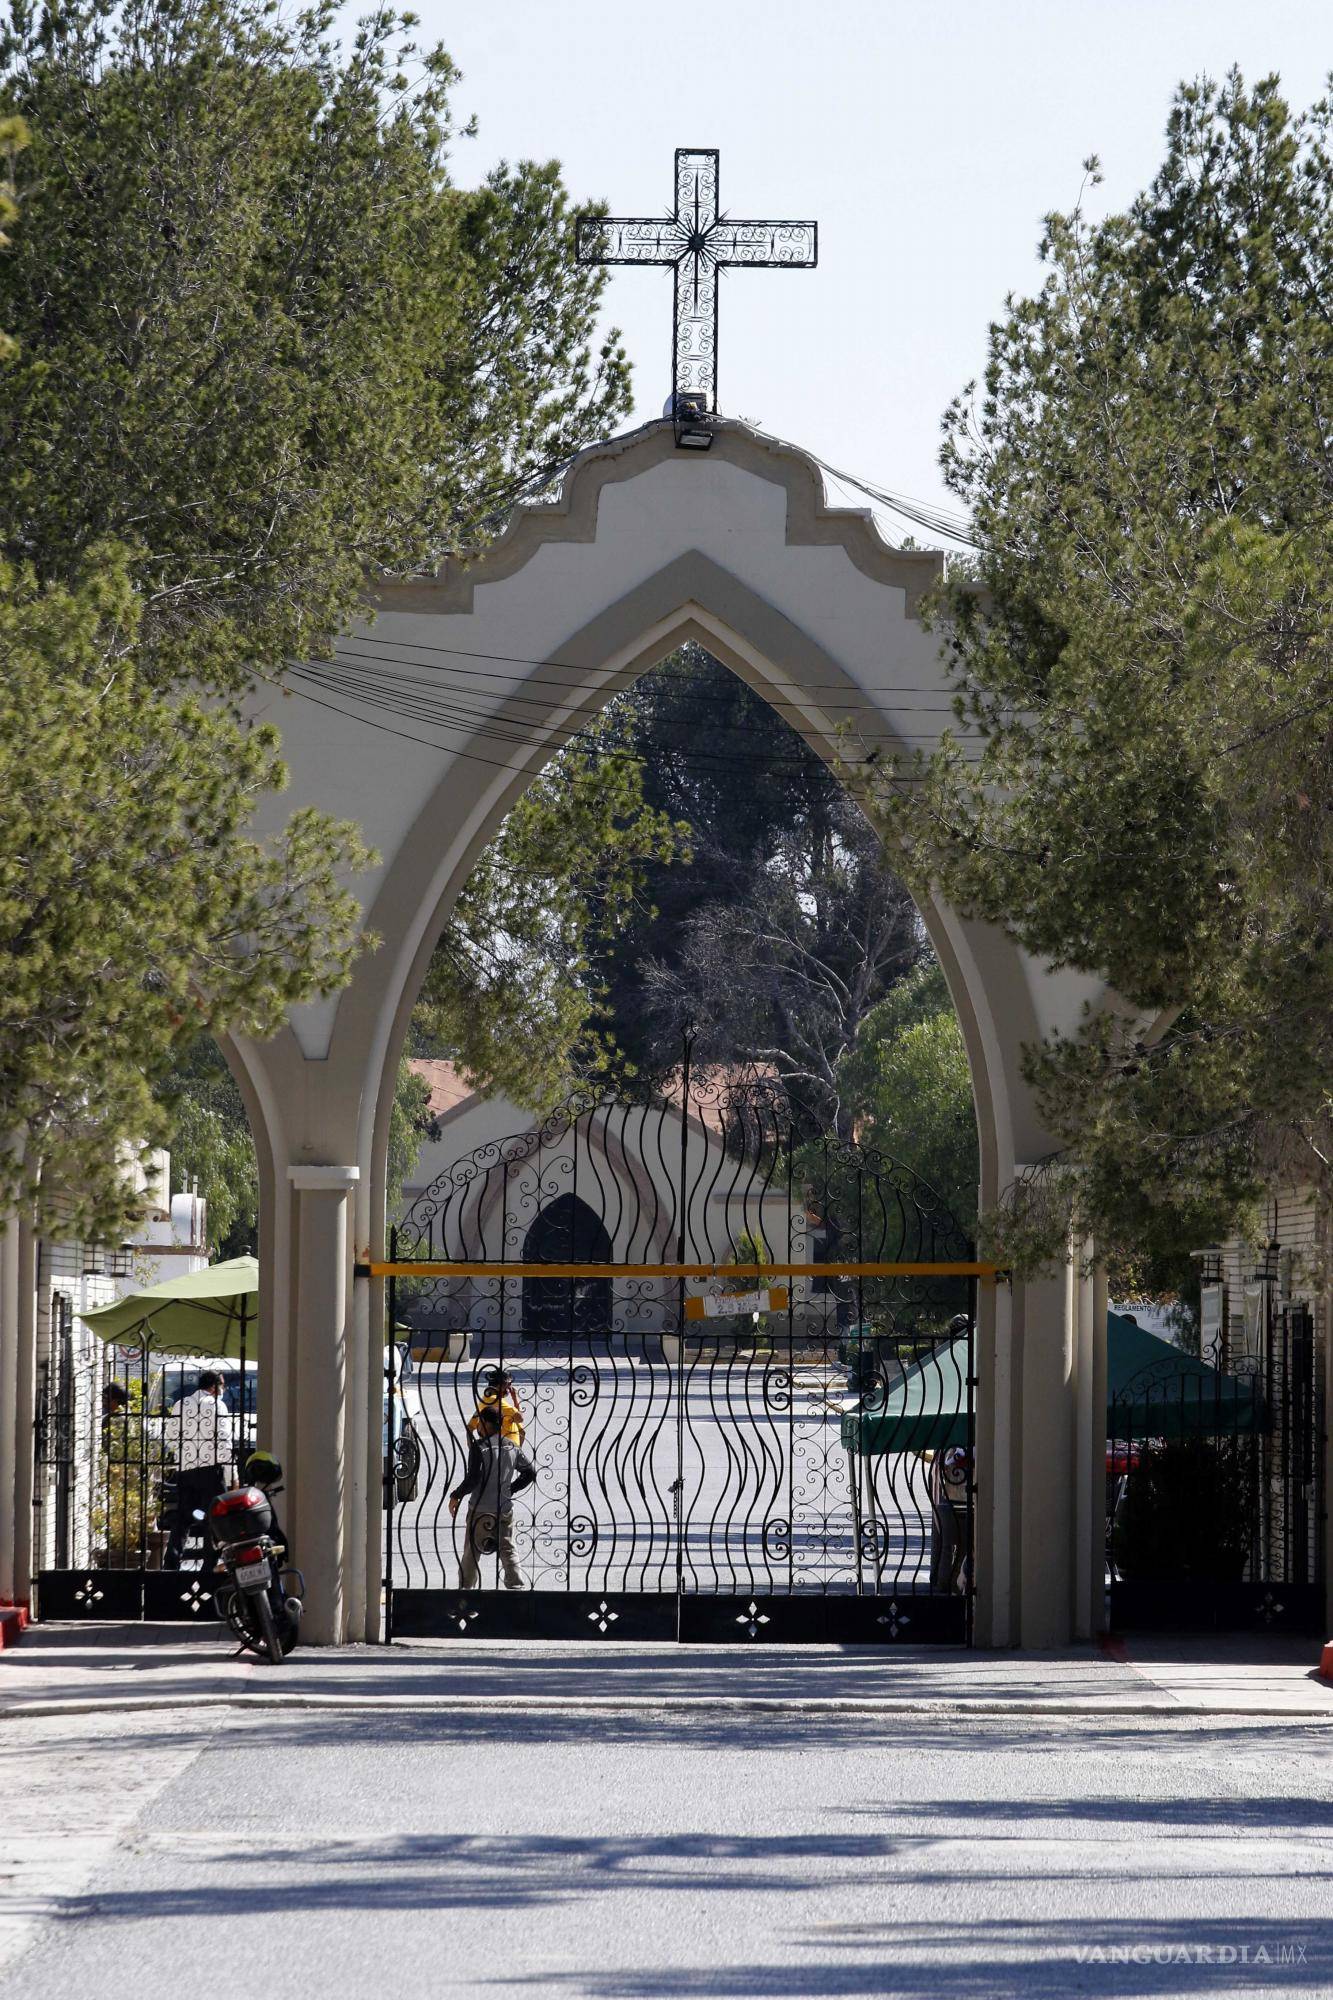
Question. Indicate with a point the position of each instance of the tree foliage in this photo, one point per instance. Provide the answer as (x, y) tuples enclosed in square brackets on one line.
[(212, 1147), (262, 347), (785, 926), (512, 990), (1148, 657), (908, 1087), (13, 140), (264, 342), (136, 912)]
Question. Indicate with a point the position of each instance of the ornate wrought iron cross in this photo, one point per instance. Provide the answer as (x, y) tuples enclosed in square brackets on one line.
[(696, 241)]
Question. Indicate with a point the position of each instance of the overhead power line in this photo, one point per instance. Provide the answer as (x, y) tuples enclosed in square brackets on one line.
[(894, 780), (548, 669), (450, 724), (409, 693)]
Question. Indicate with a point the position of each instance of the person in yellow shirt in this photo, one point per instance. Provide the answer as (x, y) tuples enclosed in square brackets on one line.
[(498, 1392)]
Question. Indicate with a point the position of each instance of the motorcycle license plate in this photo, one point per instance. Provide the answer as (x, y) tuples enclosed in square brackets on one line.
[(248, 1573)]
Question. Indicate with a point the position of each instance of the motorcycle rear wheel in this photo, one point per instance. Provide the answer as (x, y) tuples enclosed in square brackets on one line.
[(264, 1613)]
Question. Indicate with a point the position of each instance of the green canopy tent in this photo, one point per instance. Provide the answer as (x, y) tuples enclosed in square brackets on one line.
[(211, 1312), (1155, 1391), (1152, 1390)]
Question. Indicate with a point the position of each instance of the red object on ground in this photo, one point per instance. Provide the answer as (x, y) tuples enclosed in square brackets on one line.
[(1326, 1662), (13, 1623)]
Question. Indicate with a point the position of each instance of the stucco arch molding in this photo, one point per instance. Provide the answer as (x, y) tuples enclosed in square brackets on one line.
[(572, 515)]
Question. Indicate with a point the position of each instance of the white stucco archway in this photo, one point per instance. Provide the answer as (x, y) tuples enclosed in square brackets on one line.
[(644, 547)]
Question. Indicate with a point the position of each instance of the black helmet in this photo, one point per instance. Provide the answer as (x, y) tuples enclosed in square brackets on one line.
[(263, 1469)]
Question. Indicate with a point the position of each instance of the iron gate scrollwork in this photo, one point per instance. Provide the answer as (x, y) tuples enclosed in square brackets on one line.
[(704, 1434)]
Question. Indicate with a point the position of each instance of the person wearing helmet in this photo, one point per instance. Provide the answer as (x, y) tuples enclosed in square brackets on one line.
[(496, 1471), (498, 1393)]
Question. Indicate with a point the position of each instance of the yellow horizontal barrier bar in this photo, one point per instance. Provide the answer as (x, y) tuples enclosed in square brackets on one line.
[(504, 1270)]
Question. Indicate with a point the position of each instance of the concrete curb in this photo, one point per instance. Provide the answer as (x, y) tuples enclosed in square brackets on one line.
[(462, 1705)]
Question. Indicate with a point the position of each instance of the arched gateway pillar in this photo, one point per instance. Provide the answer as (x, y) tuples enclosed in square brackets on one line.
[(320, 1391), (1041, 1419), (644, 547)]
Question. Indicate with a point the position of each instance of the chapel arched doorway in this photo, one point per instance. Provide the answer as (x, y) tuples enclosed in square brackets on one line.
[(567, 1231)]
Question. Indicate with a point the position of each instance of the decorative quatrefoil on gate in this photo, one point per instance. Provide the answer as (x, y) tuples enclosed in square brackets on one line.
[(603, 1617), (87, 1593), (752, 1618), (195, 1597), (894, 1619)]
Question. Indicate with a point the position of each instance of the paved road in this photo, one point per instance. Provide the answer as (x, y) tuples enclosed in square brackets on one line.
[(669, 1856), (765, 1492)]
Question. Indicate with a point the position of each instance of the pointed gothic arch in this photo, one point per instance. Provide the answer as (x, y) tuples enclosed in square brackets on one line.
[(642, 548)]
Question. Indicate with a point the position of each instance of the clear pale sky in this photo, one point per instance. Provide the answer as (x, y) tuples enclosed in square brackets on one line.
[(928, 142)]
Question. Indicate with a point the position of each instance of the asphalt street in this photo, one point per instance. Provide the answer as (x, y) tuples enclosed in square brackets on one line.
[(655, 1855)]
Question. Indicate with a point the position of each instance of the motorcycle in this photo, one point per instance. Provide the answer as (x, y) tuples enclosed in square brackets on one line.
[(259, 1598)]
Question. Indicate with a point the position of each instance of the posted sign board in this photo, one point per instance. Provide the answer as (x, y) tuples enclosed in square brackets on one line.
[(722, 1305)]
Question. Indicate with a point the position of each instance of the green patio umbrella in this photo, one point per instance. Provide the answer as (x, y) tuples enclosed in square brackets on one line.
[(1152, 1390), (214, 1312)]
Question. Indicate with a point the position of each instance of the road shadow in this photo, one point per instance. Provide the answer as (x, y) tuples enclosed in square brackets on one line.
[(456, 1877), (280, 1731), (987, 1960), (1303, 1812)]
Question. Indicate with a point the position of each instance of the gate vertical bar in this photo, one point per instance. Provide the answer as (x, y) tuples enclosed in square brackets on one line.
[(143, 1476), (534, 1334), (391, 1483), (687, 1050), (64, 1439), (246, 1442), (969, 1544), (472, 1550), (1289, 1447), (860, 1460), (101, 1465), (791, 1361)]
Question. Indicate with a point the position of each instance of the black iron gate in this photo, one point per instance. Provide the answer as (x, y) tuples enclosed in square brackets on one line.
[(700, 1318), (1215, 1489), (107, 1442)]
